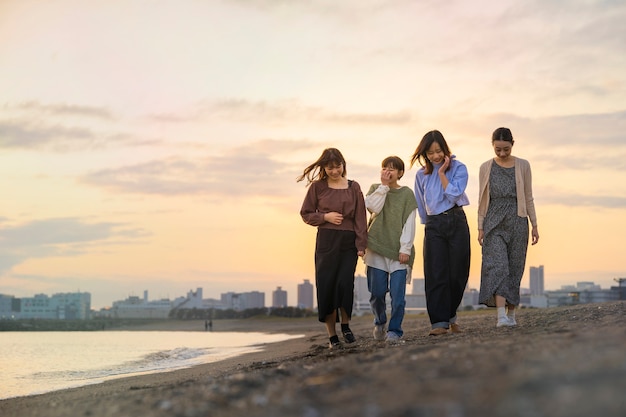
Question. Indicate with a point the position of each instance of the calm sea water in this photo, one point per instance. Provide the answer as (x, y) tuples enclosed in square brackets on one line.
[(37, 362)]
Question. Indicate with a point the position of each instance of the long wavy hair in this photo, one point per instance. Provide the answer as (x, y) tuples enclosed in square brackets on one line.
[(434, 136), (330, 157)]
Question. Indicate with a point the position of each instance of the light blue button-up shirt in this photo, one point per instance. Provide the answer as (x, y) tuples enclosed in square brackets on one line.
[(432, 199)]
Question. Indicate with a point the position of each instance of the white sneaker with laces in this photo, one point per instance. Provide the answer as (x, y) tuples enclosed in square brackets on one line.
[(512, 321), (504, 322), (379, 332), (392, 338)]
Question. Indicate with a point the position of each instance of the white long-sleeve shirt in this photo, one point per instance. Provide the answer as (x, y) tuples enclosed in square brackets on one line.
[(374, 204)]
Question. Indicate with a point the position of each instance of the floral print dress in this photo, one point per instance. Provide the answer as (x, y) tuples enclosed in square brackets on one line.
[(505, 240)]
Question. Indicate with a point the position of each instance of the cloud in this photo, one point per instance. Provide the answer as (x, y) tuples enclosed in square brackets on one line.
[(21, 134), (62, 109), (256, 169), (279, 111), (57, 127), (561, 198), (59, 237), (557, 134)]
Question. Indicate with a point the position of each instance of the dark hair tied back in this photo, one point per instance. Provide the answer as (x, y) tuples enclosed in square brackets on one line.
[(502, 133)]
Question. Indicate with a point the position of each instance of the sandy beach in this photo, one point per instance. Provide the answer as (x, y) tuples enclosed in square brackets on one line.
[(566, 361)]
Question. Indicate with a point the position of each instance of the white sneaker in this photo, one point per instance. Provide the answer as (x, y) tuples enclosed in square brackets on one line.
[(504, 322), (379, 332), (512, 321), (392, 338)]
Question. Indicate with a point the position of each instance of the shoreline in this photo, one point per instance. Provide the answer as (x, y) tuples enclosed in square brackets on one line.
[(291, 327), (564, 361)]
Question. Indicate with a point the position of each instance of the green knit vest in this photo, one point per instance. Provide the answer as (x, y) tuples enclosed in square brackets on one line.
[(385, 228)]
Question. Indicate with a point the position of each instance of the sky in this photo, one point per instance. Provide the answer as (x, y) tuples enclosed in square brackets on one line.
[(155, 145)]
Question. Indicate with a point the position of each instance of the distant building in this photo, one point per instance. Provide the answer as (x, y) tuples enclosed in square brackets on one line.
[(470, 298), (582, 293), (419, 286), (279, 298), (361, 295), (620, 288), (536, 280), (140, 308), (416, 300), (193, 300), (9, 307), (243, 301), (538, 301), (61, 306), (305, 295)]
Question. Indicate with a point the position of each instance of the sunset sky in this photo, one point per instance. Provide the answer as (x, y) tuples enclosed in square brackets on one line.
[(154, 145)]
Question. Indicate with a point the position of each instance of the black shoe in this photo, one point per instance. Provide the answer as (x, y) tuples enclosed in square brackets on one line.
[(348, 336), (334, 343)]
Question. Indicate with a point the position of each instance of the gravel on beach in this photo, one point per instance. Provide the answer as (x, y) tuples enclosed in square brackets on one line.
[(564, 361)]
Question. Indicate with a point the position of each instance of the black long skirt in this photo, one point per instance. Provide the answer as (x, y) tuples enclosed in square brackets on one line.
[(335, 263)]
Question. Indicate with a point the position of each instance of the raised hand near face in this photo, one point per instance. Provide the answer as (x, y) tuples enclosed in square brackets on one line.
[(385, 177), (444, 166)]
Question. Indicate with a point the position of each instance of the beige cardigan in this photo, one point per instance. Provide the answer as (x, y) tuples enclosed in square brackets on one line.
[(523, 184)]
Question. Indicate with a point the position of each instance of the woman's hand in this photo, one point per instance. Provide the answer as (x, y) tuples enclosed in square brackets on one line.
[(361, 253), (445, 165), (385, 177), (535, 235), (442, 172), (333, 217), (481, 236)]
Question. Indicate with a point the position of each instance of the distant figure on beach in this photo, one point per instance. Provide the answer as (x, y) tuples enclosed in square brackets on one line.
[(505, 203), (390, 253), (440, 193), (211, 325), (335, 205)]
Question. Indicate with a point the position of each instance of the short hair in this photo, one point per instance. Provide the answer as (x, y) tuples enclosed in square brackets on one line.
[(393, 162)]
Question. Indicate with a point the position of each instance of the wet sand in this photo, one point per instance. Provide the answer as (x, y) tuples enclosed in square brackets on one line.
[(566, 361)]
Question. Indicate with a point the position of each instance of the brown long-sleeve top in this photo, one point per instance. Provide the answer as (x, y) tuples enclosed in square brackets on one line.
[(321, 199)]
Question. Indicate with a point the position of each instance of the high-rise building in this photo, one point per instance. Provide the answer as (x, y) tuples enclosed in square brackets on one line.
[(305, 295), (536, 280), (279, 298)]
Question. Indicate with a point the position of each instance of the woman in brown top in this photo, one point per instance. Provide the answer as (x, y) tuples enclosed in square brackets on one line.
[(336, 206)]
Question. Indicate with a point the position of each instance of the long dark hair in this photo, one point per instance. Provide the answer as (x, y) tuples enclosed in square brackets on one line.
[(420, 152), (316, 171)]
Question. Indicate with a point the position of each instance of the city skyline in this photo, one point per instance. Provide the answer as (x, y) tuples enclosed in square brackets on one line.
[(158, 144), (308, 293)]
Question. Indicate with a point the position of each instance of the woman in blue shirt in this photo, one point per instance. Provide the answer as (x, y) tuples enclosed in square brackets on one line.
[(440, 193)]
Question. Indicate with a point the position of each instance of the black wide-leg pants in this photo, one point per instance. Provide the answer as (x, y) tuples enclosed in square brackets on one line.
[(446, 264)]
